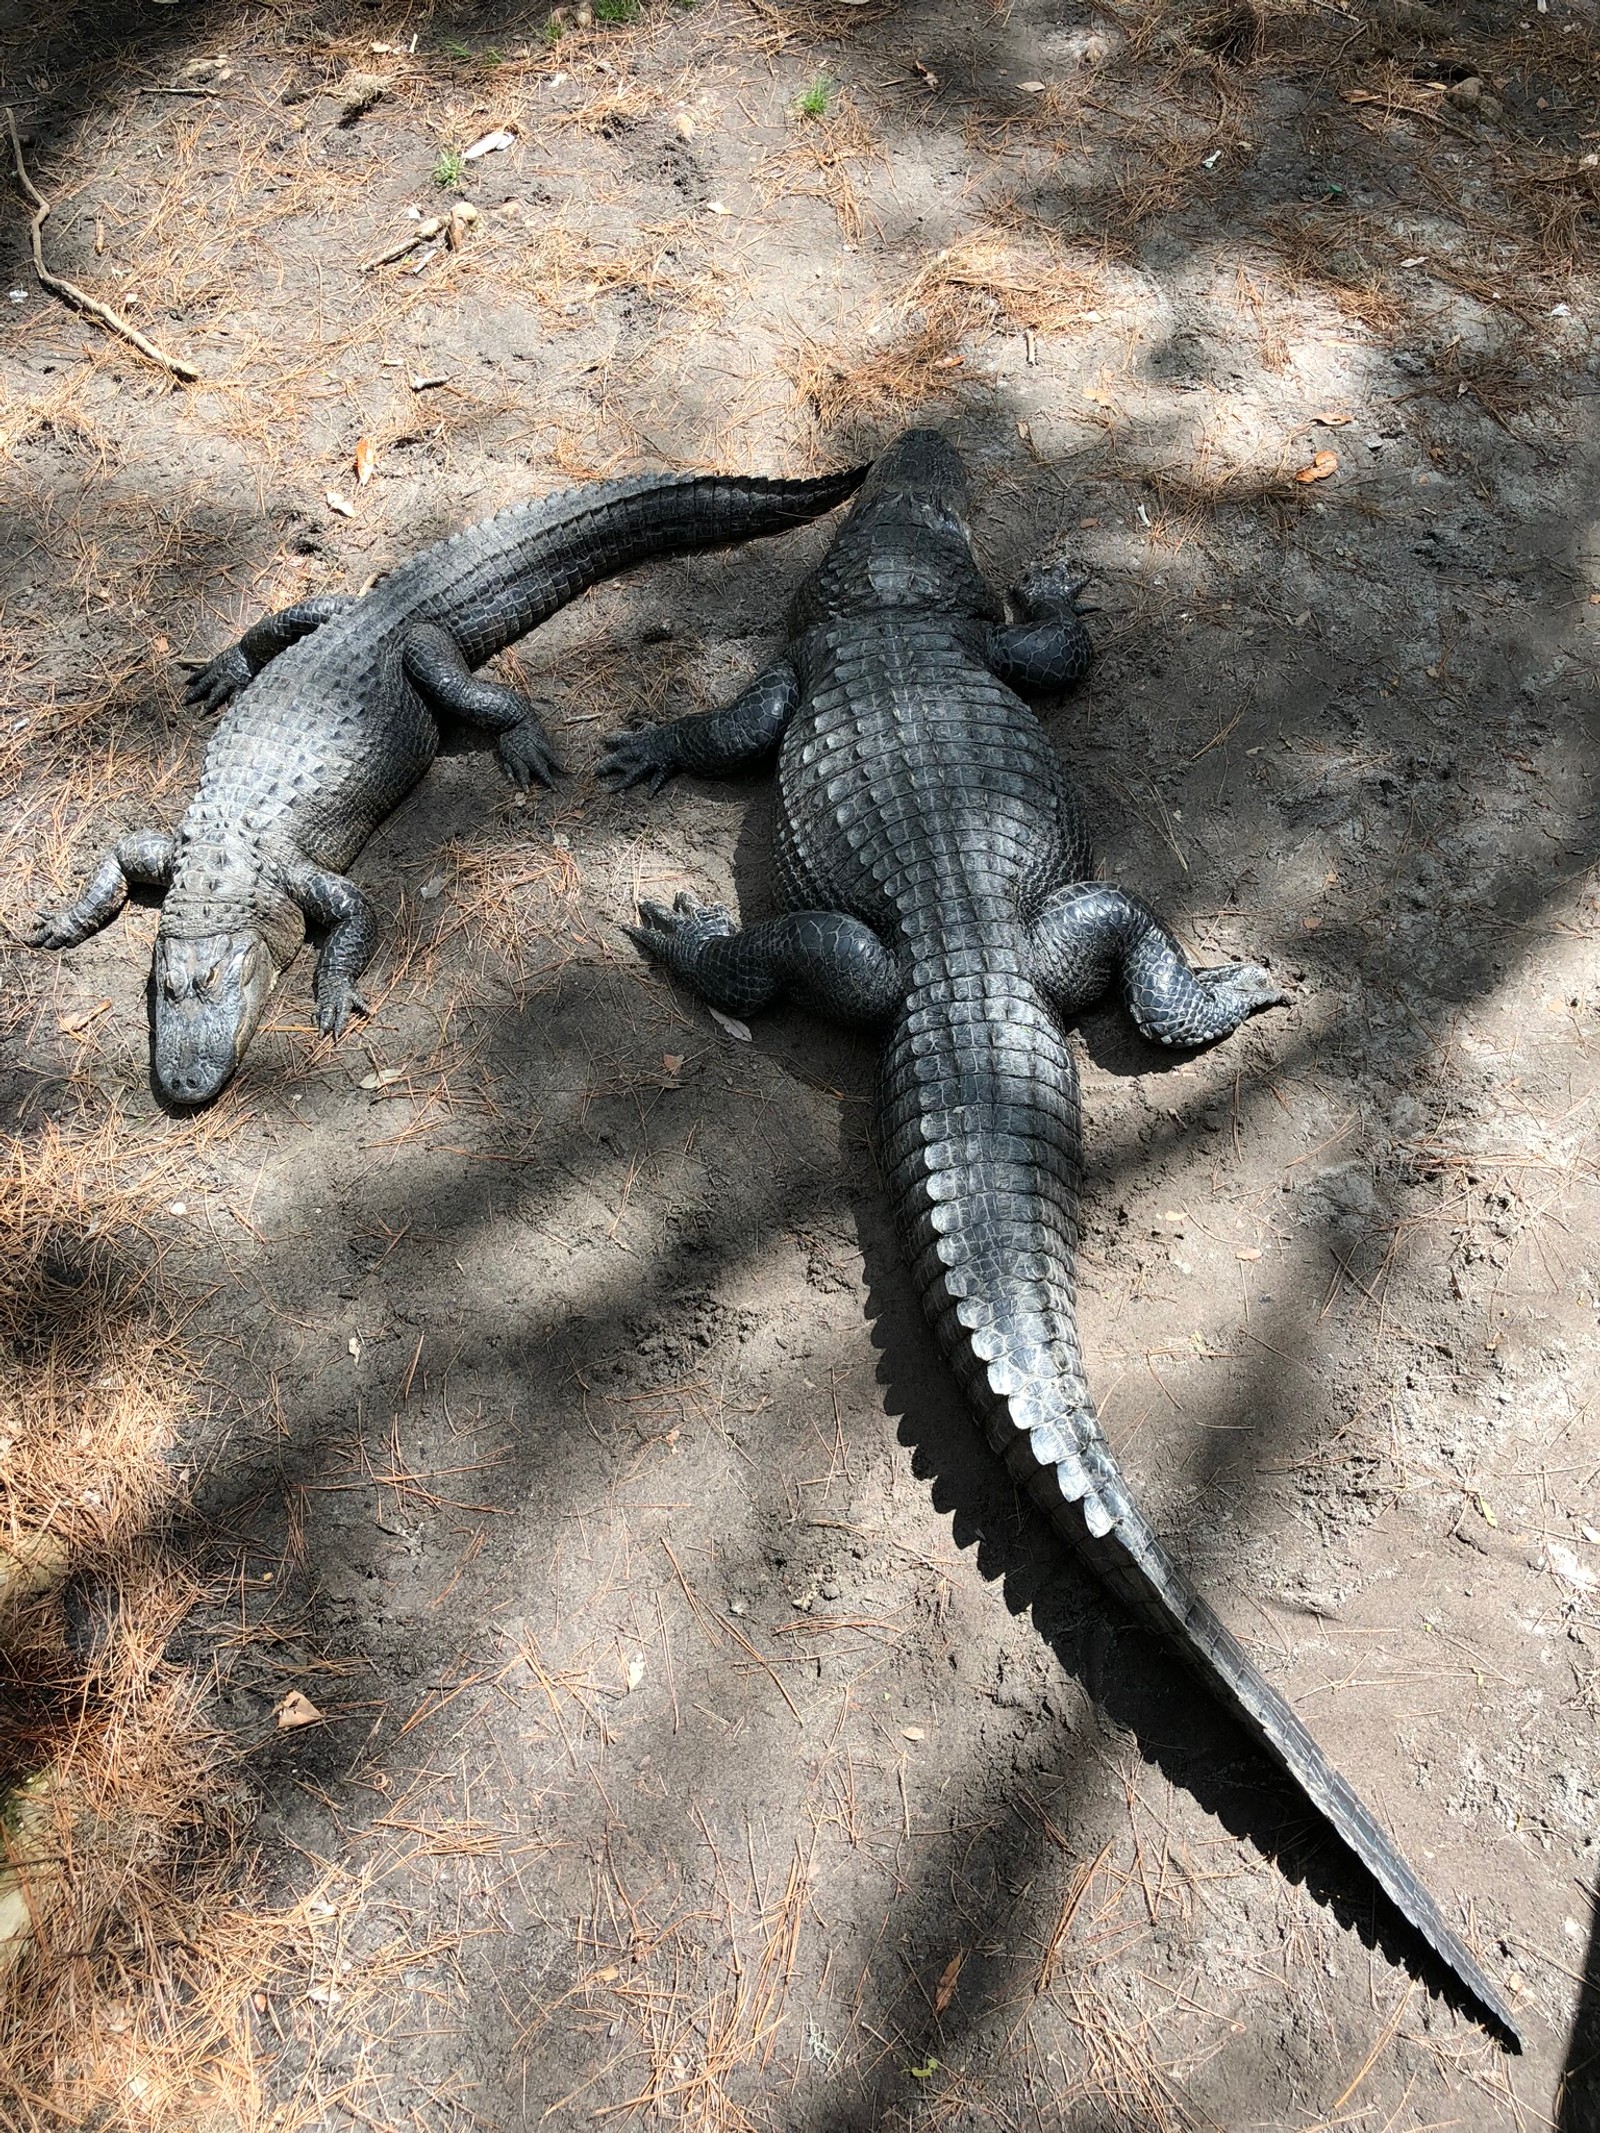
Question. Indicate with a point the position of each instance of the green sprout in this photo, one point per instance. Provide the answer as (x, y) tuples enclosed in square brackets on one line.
[(616, 10), (451, 167), (813, 103)]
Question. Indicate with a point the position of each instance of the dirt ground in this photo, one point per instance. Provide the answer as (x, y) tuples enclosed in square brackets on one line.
[(525, 1392)]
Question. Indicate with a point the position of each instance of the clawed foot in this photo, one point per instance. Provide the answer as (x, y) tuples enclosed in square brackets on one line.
[(55, 929), (527, 757), (227, 674), (1049, 592), (638, 758), (675, 937), (337, 1001)]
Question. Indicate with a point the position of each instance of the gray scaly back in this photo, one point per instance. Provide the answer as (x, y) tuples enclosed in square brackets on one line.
[(936, 880), (336, 718)]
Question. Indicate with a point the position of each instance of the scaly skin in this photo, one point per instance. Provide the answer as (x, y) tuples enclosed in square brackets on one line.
[(336, 719), (936, 879)]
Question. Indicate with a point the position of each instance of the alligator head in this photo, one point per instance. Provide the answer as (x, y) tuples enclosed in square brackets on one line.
[(906, 542), (210, 991)]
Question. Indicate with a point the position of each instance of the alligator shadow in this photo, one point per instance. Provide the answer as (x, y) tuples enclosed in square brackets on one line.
[(1579, 2107), (1139, 1687)]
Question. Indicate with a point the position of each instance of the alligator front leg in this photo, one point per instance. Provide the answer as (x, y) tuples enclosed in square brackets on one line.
[(1088, 933), (1050, 650), (334, 901), (435, 664), (142, 860), (712, 743), (239, 665), (823, 959)]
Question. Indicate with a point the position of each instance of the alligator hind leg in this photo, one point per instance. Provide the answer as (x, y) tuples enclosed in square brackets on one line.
[(1050, 650), (261, 643), (1088, 933), (435, 664), (712, 743), (823, 959), (334, 901), (141, 861)]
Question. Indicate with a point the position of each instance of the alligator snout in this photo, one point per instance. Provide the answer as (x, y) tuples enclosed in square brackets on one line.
[(209, 996)]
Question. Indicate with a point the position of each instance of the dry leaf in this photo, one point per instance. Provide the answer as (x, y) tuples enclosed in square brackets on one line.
[(927, 73), (366, 459), (487, 143), (913, 1733), (1331, 421), (1324, 464), (945, 1991), (74, 1023), (731, 1024), (1031, 88), (1247, 1252), (337, 503), (383, 1078), (297, 1710)]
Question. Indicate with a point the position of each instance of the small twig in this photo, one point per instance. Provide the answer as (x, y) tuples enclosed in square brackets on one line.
[(69, 293), (424, 233)]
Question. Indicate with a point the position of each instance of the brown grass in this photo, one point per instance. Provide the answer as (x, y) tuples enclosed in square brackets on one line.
[(1023, 277), (916, 362), (115, 1821), (823, 160), (97, 1375), (992, 278)]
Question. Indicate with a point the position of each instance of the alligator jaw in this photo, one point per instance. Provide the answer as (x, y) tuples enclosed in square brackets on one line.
[(210, 992)]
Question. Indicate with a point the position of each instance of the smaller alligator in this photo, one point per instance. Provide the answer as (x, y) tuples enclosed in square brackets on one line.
[(336, 718), (935, 879)]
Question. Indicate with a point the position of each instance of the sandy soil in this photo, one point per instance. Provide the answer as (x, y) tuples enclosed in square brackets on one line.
[(707, 1734)]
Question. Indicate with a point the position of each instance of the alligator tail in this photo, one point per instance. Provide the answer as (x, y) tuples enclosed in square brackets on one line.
[(505, 575), (979, 1140)]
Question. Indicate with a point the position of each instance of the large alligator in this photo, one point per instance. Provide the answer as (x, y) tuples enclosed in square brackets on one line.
[(935, 878), (336, 719)]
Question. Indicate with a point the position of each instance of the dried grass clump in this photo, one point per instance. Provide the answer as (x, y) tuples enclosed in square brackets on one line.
[(989, 279), (567, 272), (121, 2001), (907, 368), (124, 1966), (518, 906), (823, 161), (95, 1377), (1033, 283)]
